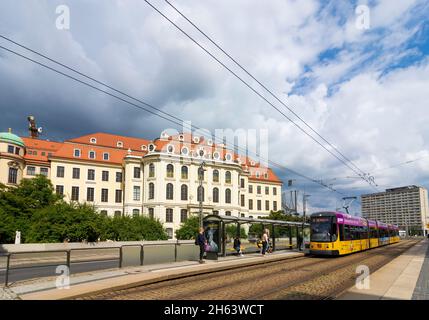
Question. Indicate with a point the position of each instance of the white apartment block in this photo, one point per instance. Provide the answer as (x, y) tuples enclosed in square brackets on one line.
[(406, 207), (132, 176)]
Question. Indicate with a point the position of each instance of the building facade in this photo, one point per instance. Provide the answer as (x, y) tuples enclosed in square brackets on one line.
[(160, 178), (406, 207)]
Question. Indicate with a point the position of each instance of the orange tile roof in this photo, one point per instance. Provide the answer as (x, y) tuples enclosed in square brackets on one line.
[(39, 146), (111, 140), (116, 156)]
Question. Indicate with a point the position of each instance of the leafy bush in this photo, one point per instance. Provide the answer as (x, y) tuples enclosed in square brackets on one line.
[(189, 229)]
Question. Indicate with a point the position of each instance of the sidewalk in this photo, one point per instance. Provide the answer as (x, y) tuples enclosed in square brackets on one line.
[(405, 278), (102, 281)]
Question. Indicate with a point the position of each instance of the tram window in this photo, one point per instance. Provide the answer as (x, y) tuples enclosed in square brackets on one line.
[(347, 233), (334, 232), (341, 228)]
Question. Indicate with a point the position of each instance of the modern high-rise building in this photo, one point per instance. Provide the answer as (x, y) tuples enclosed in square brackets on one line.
[(406, 207), (160, 178)]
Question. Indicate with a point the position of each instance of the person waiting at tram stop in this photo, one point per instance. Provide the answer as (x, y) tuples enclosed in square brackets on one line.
[(264, 242), (237, 246), (202, 242)]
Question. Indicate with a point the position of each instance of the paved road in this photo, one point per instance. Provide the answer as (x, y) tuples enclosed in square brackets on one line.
[(46, 271)]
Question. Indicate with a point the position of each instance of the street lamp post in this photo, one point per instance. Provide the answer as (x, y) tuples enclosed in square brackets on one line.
[(200, 189), (304, 207)]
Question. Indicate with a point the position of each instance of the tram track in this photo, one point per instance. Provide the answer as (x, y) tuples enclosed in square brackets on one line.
[(294, 278)]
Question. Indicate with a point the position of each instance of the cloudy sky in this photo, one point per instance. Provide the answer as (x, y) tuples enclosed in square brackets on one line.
[(365, 90)]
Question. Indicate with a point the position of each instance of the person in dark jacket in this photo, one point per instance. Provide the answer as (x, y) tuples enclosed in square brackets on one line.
[(202, 241), (237, 246)]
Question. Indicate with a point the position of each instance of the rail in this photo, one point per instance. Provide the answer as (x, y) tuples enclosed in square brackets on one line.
[(68, 252)]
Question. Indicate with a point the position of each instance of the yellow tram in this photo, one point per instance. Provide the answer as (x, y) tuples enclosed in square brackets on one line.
[(337, 233)]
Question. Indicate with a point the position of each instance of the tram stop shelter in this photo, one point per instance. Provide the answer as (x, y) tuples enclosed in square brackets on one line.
[(283, 234)]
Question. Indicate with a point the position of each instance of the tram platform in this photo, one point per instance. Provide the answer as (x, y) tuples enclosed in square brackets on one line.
[(404, 278), (102, 281)]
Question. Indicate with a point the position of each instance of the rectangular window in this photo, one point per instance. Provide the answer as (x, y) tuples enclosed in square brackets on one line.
[(118, 176), (275, 191), (75, 194), (267, 190), (151, 213), (250, 204), (10, 149), (118, 196), (90, 194), (104, 195), (44, 171), (250, 188), (183, 215), (76, 173), (136, 193), (92, 154), (242, 183), (275, 205), (258, 189), (13, 175), (169, 215), (118, 213), (243, 203), (77, 153), (31, 171), (59, 190), (106, 156), (169, 233), (105, 176), (267, 205), (137, 172), (60, 172), (17, 150), (259, 205), (91, 174)]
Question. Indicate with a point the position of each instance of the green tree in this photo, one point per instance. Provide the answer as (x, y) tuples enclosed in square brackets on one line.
[(189, 229), (231, 231)]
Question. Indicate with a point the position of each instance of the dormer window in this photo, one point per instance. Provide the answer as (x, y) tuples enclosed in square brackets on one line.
[(216, 155), (170, 148), (228, 157), (91, 155), (266, 175), (151, 147), (201, 153), (257, 174), (210, 142), (77, 153), (185, 151), (144, 148), (196, 140), (120, 144), (93, 140), (106, 156), (181, 137)]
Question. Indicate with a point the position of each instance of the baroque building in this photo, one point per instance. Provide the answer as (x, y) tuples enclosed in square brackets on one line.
[(160, 178)]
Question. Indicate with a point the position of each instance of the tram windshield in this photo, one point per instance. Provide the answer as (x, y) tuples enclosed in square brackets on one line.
[(323, 230)]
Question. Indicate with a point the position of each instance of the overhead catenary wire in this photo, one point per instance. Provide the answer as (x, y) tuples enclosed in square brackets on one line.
[(363, 176), (261, 84), (274, 164)]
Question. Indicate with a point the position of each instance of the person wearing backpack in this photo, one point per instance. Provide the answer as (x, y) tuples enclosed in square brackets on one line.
[(201, 241)]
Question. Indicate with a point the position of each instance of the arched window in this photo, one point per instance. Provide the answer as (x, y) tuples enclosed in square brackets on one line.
[(169, 191), (170, 171), (184, 192), (215, 175), (228, 196), (151, 191), (200, 193), (184, 172), (151, 170), (227, 177), (215, 195)]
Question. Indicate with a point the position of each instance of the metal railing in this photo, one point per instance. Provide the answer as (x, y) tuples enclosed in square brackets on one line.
[(68, 252)]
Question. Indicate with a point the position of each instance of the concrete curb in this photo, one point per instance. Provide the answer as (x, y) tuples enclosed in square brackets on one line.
[(135, 280)]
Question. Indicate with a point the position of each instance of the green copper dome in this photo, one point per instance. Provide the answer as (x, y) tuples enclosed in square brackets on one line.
[(9, 137)]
